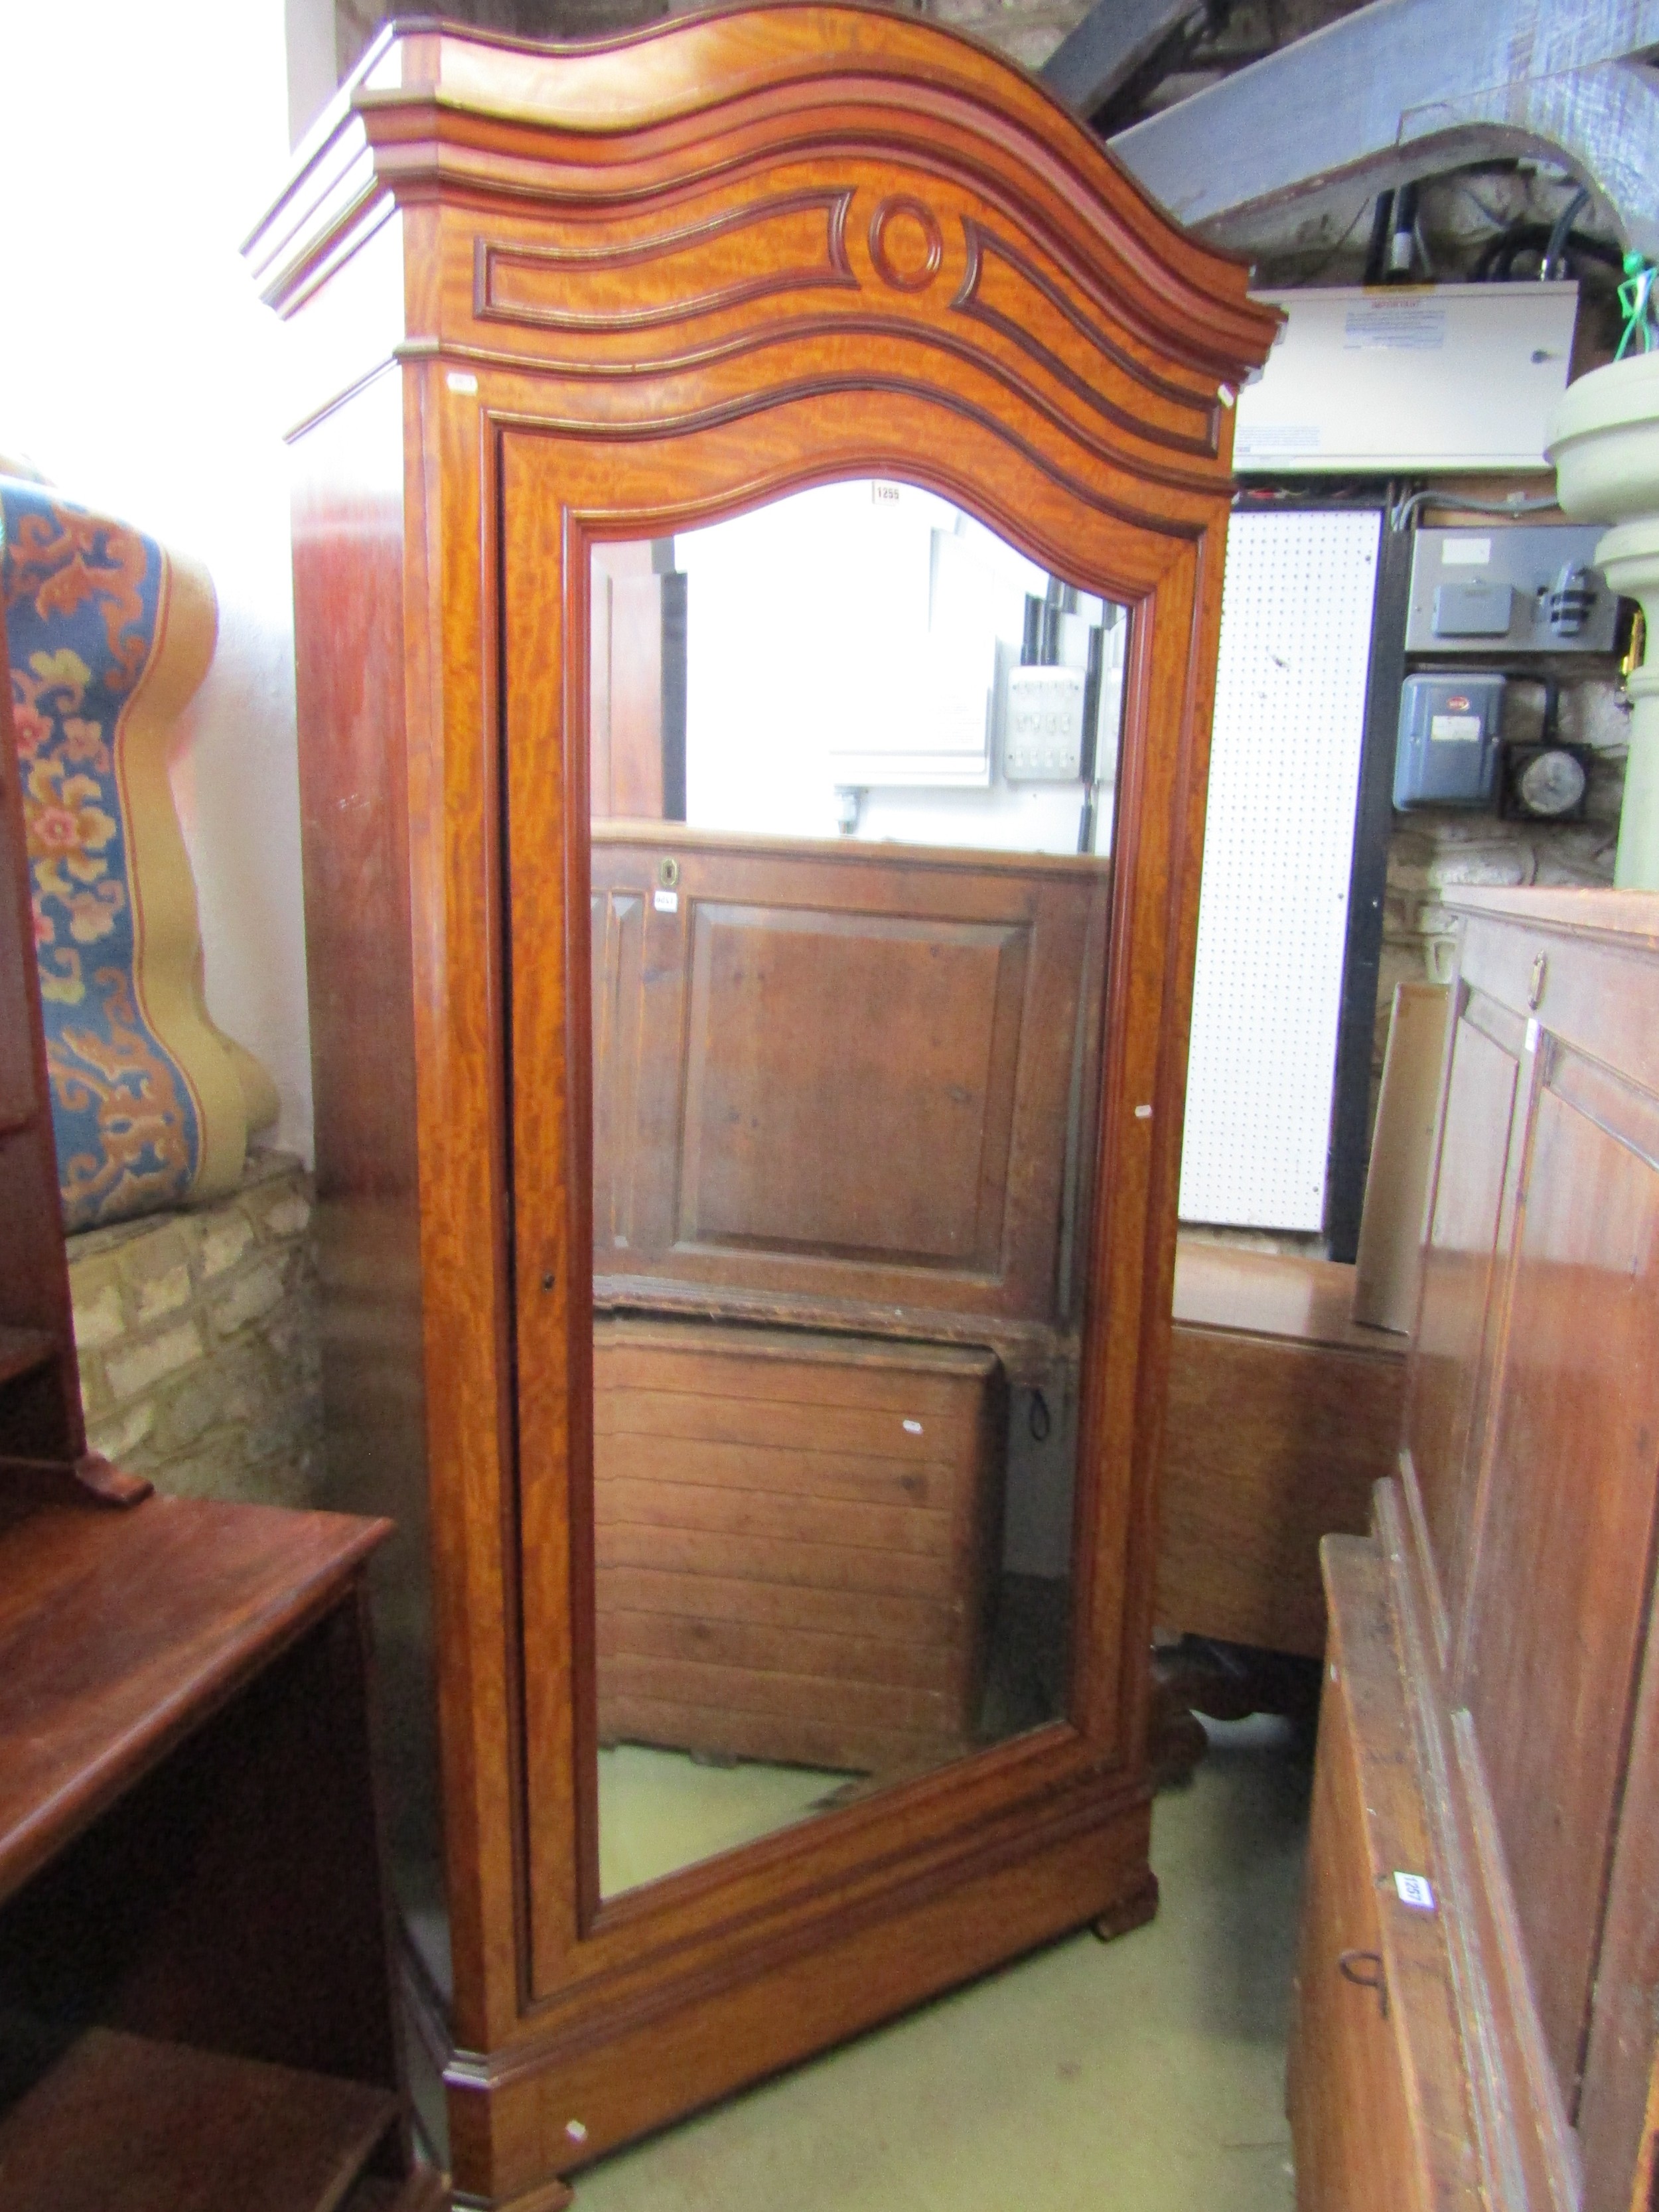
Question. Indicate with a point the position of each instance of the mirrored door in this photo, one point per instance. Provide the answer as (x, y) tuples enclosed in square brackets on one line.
[(853, 762)]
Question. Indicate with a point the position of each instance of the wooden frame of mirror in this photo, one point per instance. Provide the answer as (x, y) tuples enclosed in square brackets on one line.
[(544, 299)]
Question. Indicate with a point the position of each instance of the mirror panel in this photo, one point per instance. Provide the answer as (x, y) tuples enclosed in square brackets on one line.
[(853, 764)]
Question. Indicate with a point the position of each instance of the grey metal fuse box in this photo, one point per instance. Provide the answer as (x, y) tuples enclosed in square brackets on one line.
[(1507, 588), (1447, 751)]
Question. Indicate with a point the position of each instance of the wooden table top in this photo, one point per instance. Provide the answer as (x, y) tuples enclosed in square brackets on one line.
[(121, 1631), (1279, 1294)]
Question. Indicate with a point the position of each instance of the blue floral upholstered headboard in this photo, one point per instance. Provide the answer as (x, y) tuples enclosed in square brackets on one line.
[(108, 635)]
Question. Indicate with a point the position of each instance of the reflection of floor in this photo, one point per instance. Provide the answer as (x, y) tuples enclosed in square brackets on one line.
[(1144, 2076), (659, 1810)]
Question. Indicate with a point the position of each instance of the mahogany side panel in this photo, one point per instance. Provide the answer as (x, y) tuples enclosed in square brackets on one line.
[(349, 584), (1379, 2109), (1619, 2105)]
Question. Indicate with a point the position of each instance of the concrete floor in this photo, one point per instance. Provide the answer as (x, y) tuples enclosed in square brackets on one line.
[(1144, 2076), (659, 1811)]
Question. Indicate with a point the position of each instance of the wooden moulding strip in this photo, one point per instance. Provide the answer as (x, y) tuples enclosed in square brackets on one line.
[(623, 2077), (1527, 2154), (1519, 2133), (1398, 1839)]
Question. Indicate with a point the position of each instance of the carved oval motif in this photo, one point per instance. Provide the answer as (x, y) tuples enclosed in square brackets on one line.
[(901, 269)]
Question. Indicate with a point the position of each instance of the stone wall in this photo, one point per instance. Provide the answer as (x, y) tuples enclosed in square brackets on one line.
[(198, 1341)]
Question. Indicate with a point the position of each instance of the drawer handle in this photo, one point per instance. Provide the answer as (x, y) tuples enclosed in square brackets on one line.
[(1352, 1966)]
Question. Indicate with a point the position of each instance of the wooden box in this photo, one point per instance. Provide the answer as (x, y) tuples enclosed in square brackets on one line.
[(1282, 1415), (796, 1541)]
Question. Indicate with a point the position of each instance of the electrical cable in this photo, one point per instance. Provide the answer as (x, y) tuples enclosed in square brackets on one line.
[(1399, 267), (1560, 231), (1382, 224), (1404, 511), (1496, 257)]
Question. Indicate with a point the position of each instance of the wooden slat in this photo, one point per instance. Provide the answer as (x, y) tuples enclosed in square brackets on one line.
[(1396, 1836), (122, 2121), (781, 1698), (839, 1746), (756, 1466), (771, 1650), (1278, 1294), (753, 1513), (781, 1425), (794, 1366), (815, 1567), (718, 1597)]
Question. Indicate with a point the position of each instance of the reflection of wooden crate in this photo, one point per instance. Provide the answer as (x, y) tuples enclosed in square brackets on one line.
[(796, 1539)]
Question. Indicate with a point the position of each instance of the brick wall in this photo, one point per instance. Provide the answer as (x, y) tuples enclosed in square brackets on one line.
[(197, 1341)]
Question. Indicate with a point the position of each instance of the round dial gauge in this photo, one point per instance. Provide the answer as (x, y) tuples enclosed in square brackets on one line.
[(1552, 784)]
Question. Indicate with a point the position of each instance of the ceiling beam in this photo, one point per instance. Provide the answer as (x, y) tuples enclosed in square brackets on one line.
[(1108, 46), (1405, 87)]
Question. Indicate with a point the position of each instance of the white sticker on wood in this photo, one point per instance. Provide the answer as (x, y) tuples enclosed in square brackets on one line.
[(1290, 711)]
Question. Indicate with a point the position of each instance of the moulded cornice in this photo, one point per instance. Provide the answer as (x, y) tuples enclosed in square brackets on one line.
[(433, 114)]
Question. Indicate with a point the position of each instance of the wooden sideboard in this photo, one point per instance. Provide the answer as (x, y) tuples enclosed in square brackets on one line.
[(196, 1958), (1492, 1711), (196, 1936), (195, 1949)]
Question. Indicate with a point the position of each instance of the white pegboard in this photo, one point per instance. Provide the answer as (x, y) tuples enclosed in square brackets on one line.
[(1295, 656)]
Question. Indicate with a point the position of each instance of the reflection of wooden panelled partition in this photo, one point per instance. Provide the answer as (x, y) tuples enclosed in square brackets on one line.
[(1492, 1713), (843, 1085), (548, 301), (840, 1087)]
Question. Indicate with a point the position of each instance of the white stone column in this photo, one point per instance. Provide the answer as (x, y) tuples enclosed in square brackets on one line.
[(1604, 441)]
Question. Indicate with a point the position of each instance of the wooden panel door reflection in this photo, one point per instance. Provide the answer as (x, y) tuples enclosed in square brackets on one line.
[(846, 1086), (849, 1085)]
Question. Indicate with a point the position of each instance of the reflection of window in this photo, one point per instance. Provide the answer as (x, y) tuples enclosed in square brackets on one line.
[(847, 657)]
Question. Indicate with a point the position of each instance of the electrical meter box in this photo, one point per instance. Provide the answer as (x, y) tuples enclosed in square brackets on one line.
[(1510, 588), (1449, 747), (1044, 739)]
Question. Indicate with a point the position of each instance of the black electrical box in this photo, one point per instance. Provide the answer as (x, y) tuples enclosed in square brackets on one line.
[(1449, 745)]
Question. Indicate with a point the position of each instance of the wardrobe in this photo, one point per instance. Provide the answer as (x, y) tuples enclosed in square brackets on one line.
[(1479, 1969), (551, 314)]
